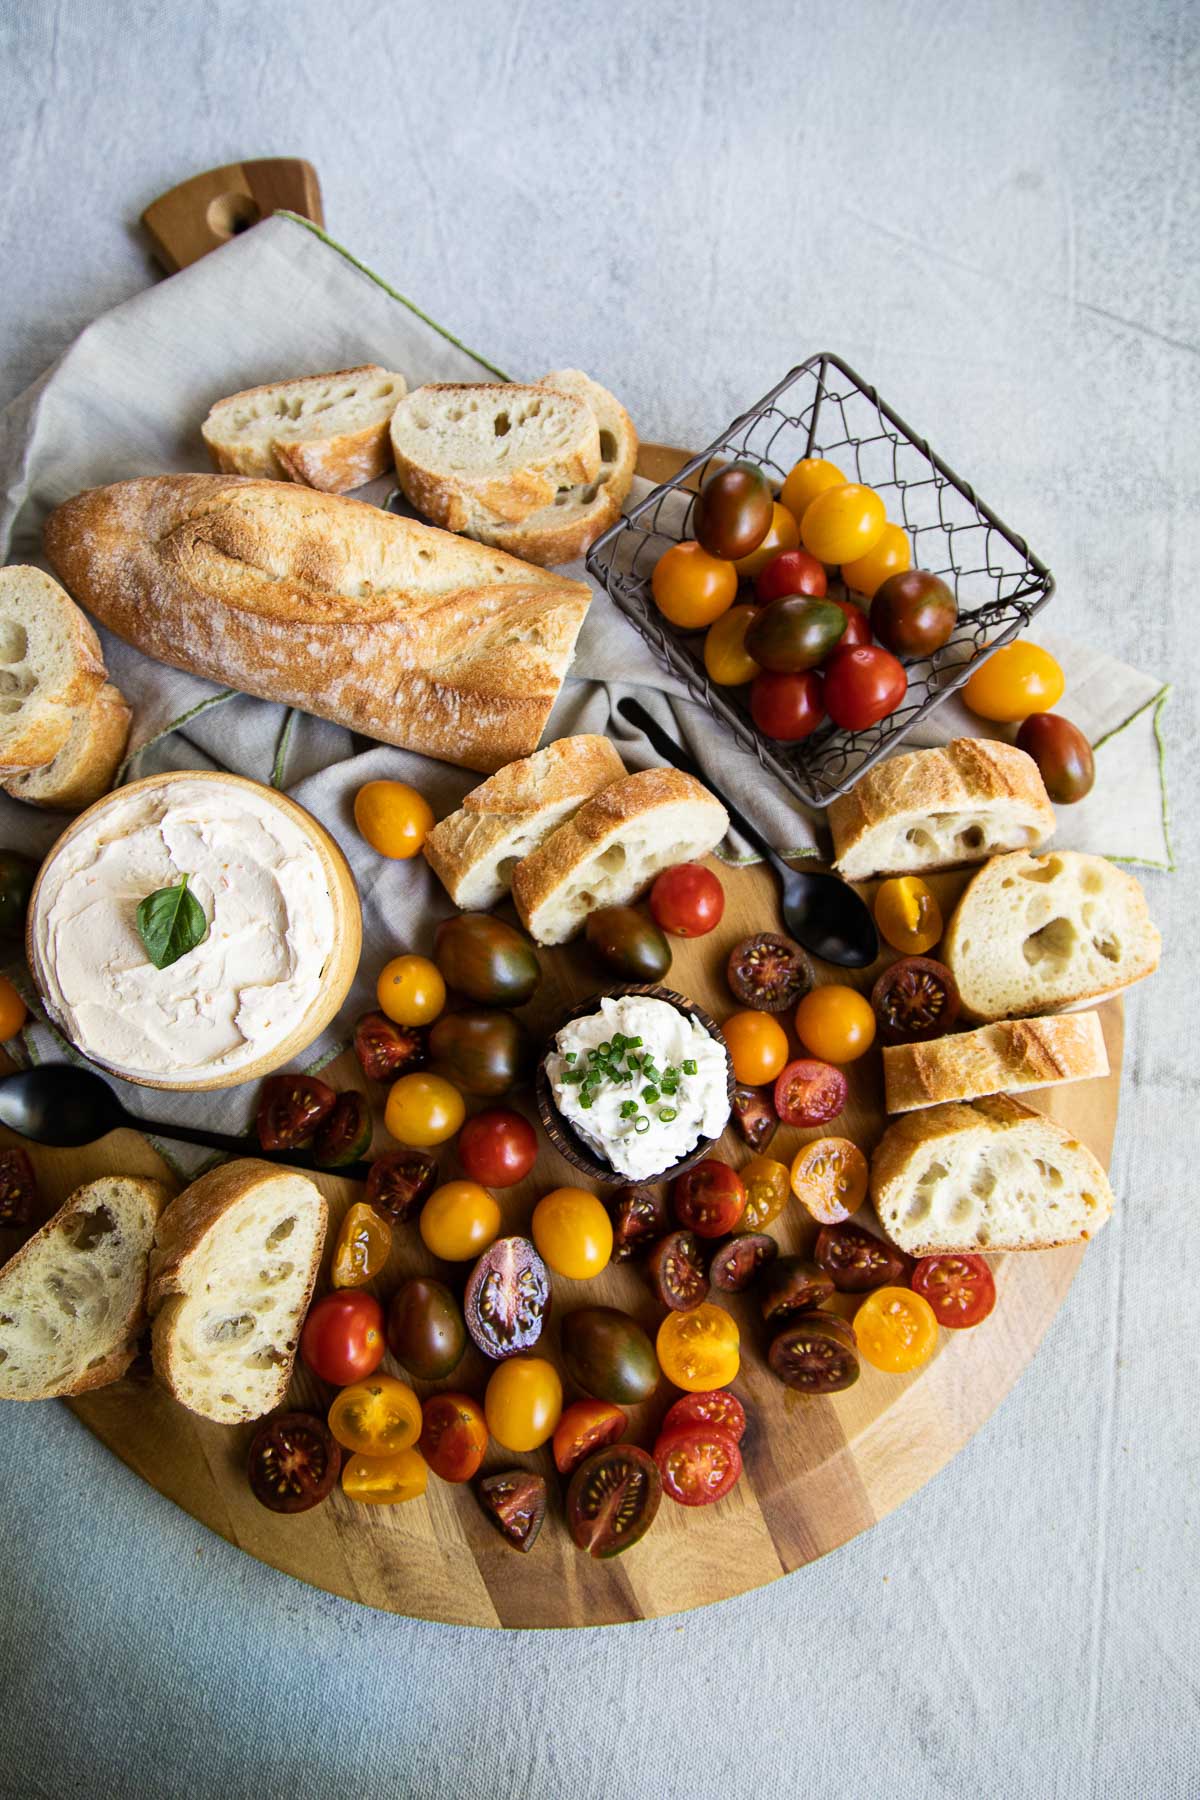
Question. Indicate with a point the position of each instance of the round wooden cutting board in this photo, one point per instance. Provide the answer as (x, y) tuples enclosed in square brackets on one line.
[(817, 1471)]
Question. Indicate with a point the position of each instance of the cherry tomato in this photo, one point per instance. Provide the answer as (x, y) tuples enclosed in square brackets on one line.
[(890, 555), (393, 817), (523, 1403), (425, 1329), (364, 1243), (290, 1107), (810, 1093), (574, 1233), (485, 959), (1018, 680), (497, 1147), (739, 1262), (628, 942), (386, 1050), (13, 1010), (399, 1183), (856, 1261), (843, 523), (343, 1339), (719, 1408), (1062, 754), (758, 1047), (515, 1502), (835, 1023), (959, 1288), (810, 477), (792, 1285), (608, 1355), (692, 588), (459, 1220), (915, 999), (863, 686), (410, 990), (768, 1191), (423, 1110), (292, 1462), (385, 1480), (896, 1330), (507, 1298), (908, 915), (795, 633), (454, 1436), (858, 626), (639, 1215), (612, 1499), (345, 1136), (480, 1049), (376, 1417), (815, 1353), (782, 534), (698, 1463), (787, 707), (698, 1350), (914, 613), (726, 658), (754, 1116), (687, 900), (768, 972), (708, 1198), (794, 572), (18, 1186), (829, 1177), (733, 509), (586, 1425), (676, 1271)]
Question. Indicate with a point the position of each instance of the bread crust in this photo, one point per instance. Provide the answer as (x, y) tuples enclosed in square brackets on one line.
[(1014, 1053), (85, 767), (334, 464)]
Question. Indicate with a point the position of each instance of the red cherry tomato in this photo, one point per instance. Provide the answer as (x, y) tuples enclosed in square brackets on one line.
[(698, 1464), (586, 1425), (343, 1337), (497, 1147), (687, 900), (794, 572), (709, 1199), (810, 1093), (863, 686), (858, 627), (787, 707), (959, 1288), (719, 1408)]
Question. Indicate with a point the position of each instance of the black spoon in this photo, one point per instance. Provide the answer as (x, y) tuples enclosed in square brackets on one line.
[(61, 1105), (821, 911)]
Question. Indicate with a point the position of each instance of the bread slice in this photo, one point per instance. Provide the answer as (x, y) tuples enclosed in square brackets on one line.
[(50, 661), (933, 809), (1033, 934), (992, 1175), (1005, 1058), (234, 1262), (477, 454), (474, 851), (71, 1299), (87, 763), (612, 849), (326, 431)]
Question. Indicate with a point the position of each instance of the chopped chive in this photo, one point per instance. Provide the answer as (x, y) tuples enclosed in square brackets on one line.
[(689, 1067), (668, 1112), (649, 1095), (570, 1055), (641, 1123), (633, 1043), (585, 1099), (629, 1109), (604, 1049)]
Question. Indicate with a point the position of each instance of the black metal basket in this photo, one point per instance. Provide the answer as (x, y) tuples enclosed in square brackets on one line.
[(822, 408)]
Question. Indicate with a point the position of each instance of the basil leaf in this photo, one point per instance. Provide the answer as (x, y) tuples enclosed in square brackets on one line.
[(171, 922)]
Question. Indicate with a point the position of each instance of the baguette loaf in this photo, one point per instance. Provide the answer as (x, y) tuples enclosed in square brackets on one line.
[(932, 809), (1009, 1057), (71, 1298), (1032, 934), (474, 851), (326, 431), (612, 849), (387, 626), (988, 1176), (50, 661), (87, 763), (231, 1274)]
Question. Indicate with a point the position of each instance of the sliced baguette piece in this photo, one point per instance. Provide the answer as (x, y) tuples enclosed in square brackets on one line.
[(232, 1271), (1034, 934), (613, 847), (50, 661), (85, 767), (474, 851), (473, 454), (933, 809), (325, 431), (1006, 1058), (989, 1176), (71, 1299)]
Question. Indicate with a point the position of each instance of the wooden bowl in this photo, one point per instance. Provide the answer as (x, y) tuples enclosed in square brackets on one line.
[(336, 976), (564, 1138)]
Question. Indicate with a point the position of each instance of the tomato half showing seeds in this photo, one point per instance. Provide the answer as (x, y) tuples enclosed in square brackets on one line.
[(856, 1261), (863, 685), (293, 1462), (698, 1463), (738, 1263), (754, 1117), (586, 1425), (815, 1353), (18, 1187), (687, 900), (792, 1285), (454, 1436), (896, 1330), (386, 1050), (768, 972), (364, 1243), (399, 1183), (709, 1198), (385, 1480), (757, 1045), (960, 1289), (908, 915), (640, 1215), (376, 1417), (699, 1350), (290, 1107), (497, 1147), (915, 999), (835, 1023), (345, 1135), (574, 1233), (810, 1093), (676, 1271), (343, 1338), (507, 1300), (515, 1502), (768, 1191), (612, 1499), (829, 1178), (717, 1407), (523, 1402)]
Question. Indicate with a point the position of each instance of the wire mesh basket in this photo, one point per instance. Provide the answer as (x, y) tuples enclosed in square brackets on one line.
[(822, 408)]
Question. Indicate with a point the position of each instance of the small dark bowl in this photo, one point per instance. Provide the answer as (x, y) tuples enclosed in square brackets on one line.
[(560, 1132)]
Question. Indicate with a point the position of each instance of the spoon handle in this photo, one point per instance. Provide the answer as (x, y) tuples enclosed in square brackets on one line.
[(238, 1146)]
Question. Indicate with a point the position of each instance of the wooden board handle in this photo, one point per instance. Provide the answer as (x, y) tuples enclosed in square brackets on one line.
[(202, 214)]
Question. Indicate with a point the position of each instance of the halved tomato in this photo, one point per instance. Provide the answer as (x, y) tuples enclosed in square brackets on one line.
[(290, 1107), (698, 1463), (960, 1288), (718, 1407), (454, 1436), (586, 1425), (810, 1092)]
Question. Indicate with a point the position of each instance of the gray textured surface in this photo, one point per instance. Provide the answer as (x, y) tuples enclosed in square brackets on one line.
[(995, 213)]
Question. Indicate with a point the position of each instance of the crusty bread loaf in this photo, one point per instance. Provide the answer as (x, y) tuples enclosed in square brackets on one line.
[(990, 1176), (231, 1274), (933, 809), (326, 431), (87, 763), (399, 631), (474, 851), (613, 848), (1005, 1058), (1032, 934), (71, 1299), (50, 661)]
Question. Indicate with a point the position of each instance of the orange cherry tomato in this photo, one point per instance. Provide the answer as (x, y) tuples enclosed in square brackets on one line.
[(385, 1480), (757, 1045), (908, 915), (767, 1192), (423, 1110), (829, 1176), (364, 1244), (896, 1330), (699, 1350), (523, 1402), (1018, 680), (393, 817), (844, 523), (573, 1232), (13, 1010), (454, 1436), (890, 555), (692, 588), (725, 655), (410, 990), (459, 1220), (835, 1023), (810, 477), (783, 534), (376, 1417)]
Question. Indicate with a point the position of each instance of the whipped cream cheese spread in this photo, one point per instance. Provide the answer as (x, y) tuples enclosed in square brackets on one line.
[(640, 1082), (229, 1000)]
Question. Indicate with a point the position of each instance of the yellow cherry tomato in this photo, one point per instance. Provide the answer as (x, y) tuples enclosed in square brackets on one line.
[(393, 817), (843, 523), (423, 1110), (896, 1330), (835, 1023), (810, 477), (908, 915), (782, 534), (768, 1191), (1018, 680), (459, 1220), (692, 588), (725, 655), (698, 1350), (13, 1010), (523, 1402), (573, 1232), (758, 1047), (364, 1243), (410, 990), (385, 1480), (891, 555), (376, 1417)]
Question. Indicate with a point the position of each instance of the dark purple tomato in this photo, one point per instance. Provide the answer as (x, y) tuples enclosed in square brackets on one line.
[(856, 1261), (738, 1263), (1062, 754), (733, 512), (399, 1183), (916, 998), (628, 942), (792, 1285), (386, 1050), (485, 959), (613, 1498), (19, 1189), (481, 1051), (425, 1330), (639, 1216), (293, 1462), (791, 572), (607, 1354), (815, 1353), (676, 1271), (346, 1134), (768, 972), (754, 1116), (794, 634), (507, 1301), (515, 1502), (913, 613)]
